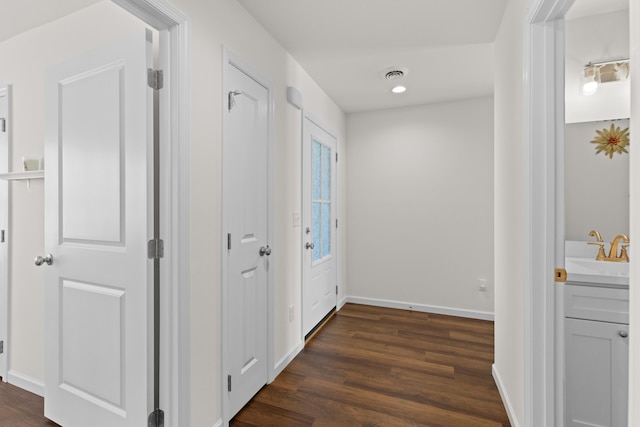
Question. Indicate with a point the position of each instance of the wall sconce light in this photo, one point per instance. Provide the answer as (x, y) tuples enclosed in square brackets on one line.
[(594, 74)]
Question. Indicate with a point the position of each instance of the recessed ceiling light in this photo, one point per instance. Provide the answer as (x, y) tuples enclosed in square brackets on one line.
[(398, 89)]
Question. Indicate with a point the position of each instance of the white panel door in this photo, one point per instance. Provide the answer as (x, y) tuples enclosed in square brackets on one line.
[(98, 219), (245, 199), (5, 123), (319, 275)]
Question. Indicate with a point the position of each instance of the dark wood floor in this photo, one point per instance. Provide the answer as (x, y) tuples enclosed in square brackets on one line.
[(367, 367), (19, 408), (372, 366)]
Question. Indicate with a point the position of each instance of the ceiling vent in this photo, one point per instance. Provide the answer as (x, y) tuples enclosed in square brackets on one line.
[(394, 73)]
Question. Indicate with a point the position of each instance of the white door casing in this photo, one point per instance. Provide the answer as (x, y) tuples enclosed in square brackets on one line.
[(98, 219), (246, 255), (319, 244), (174, 131), (544, 238), (5, 133)]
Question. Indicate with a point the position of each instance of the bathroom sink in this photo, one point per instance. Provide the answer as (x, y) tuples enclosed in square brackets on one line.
[(589, 270)]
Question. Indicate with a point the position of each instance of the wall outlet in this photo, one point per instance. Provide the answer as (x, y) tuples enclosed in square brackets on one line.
[(482, 285), (291, 307)]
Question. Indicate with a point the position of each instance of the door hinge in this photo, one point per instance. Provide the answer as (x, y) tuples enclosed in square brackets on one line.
[(155, 249), (336, 157), (560, 275), (155, 79), (228, 382), (3, 124), (336, 222), (232, 98), (1, 236), (336, 289), (1, 347), (228, 241), (156, 418)]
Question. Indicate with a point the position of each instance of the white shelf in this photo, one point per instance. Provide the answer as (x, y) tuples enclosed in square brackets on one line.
[(14, 176)]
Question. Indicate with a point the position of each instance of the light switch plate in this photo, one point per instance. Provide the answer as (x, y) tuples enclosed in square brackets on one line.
[(297, 219)]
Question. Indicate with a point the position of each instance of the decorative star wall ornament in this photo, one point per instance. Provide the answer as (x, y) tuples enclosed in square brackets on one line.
[(611, 140)]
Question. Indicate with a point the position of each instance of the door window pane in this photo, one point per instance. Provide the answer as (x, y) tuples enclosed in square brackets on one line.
[(316, 221), (326, 230), (326, 173), (316, 170), (321, 200)]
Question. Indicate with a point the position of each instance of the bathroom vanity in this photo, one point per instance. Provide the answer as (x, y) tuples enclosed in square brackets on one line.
[(596, 351), (596, 355)]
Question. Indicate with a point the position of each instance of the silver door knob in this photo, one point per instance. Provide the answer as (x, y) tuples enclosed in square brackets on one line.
[(623, 334), (265, 251), (47, 259), (309, 245)]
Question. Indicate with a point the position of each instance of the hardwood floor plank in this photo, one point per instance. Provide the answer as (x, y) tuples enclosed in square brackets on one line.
[(392, 405), (20, 408), (368, 367), (373, 366)]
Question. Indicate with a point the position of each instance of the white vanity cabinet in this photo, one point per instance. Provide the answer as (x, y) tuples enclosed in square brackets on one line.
[(596, 356)]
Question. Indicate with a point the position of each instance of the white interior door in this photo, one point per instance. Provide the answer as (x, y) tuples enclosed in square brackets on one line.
[(98, 219), (5, 124), (319, 281), (247, 256)]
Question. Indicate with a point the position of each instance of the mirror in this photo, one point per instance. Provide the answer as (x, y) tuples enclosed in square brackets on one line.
[(596, 186)]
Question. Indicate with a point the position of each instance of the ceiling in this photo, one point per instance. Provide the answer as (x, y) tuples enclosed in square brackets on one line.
[(446, 45), (344, 45), (583, 8), (18, 16)]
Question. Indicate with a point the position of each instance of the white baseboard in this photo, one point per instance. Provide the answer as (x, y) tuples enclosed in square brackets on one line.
[(460, 312), (341, 303), (25, 382), (286, 360), (505, 397), (218, 423)]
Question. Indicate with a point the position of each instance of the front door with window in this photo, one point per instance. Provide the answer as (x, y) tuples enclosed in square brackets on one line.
[(319, 292)]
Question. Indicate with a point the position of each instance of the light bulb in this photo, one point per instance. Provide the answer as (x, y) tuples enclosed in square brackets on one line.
[(398, 89), (589, 88), (590, 80)]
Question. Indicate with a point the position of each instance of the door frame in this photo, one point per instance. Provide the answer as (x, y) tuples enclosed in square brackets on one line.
[(5, 307), (174, 209), (634, 297), (544, 235), (306, 114), (231, 59), (543, 127)]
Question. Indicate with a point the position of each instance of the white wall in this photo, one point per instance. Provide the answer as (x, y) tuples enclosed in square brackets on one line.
[(24, 59), (420, 204), (509, 208), (596, 38), (596, 187), (213, 24)]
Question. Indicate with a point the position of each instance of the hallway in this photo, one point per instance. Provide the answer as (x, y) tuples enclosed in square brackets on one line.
[(372, 366)]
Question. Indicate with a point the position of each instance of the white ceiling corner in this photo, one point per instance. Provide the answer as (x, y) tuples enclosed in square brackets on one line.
[(344, 45), (18, 16)]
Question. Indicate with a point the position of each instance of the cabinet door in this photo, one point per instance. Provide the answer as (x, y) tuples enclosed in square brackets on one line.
[(597, 358)]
